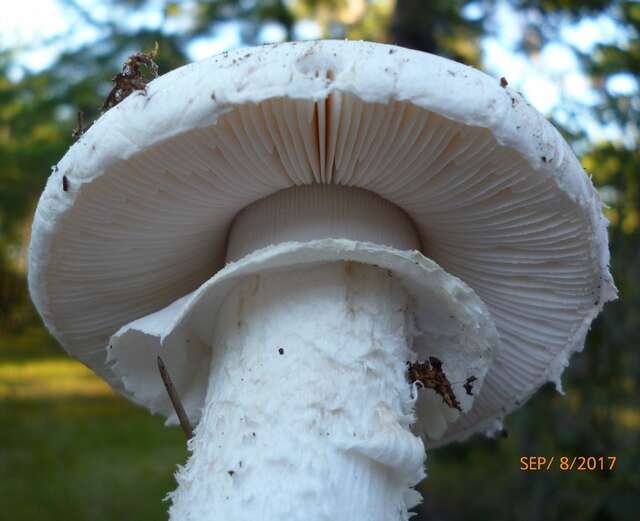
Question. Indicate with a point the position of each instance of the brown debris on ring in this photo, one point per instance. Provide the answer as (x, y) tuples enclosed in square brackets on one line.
[(429, 375), (132, 78)]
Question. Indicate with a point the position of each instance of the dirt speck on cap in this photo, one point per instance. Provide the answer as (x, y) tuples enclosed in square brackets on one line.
[(468, 385)]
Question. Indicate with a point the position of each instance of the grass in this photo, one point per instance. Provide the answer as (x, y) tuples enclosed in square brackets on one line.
[(49, 379), (70, 449)]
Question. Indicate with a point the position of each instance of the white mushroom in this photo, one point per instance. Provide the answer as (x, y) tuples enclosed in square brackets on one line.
[(276, 223)]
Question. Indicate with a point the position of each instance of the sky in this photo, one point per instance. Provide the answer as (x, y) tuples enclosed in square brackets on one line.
[(547, 80)]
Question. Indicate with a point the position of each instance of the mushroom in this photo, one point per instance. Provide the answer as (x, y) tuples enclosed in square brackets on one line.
[(288, 226)]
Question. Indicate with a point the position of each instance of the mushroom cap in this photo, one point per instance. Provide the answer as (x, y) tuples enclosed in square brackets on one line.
[(136, 214)]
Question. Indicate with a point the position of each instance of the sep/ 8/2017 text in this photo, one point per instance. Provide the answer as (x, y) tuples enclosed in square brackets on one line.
[(565, 463)]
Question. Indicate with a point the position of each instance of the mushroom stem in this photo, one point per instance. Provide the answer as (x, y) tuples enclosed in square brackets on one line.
[(309, 408)]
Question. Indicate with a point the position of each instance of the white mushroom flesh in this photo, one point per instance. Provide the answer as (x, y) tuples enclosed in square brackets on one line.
[(308, 395), (308, 410)]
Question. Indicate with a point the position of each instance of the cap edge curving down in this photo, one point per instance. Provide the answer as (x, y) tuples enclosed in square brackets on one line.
[(374, 73)]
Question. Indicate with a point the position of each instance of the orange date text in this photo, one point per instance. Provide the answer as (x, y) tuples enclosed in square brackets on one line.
[(567, 463)]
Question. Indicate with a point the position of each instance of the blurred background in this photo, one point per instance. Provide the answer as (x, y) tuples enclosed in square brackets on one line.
[(72, 450)]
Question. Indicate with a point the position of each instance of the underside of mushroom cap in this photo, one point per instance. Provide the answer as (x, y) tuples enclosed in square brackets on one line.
[(496, 195), (452, 325)]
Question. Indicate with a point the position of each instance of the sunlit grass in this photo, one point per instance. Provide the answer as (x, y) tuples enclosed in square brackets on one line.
[(91, 458), (49, 378), (70, 448), (629, 418)]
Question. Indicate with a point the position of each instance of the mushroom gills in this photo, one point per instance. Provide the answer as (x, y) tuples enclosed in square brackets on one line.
[(154, 227)]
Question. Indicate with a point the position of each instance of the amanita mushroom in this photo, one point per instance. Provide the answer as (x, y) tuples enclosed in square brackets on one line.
[(288, 226)]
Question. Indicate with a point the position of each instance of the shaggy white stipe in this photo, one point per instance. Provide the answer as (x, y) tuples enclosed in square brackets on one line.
[(308, 409)]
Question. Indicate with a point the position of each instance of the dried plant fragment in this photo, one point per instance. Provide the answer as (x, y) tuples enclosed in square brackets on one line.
[(429, 374), (79, 130), (132, 78), (175, 399)]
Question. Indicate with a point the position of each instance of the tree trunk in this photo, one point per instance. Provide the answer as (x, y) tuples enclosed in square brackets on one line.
[(412, 26)]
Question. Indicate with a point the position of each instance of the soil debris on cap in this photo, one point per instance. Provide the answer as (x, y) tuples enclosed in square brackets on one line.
[(132, 78), (503, 82), (79, 130), (429, 375)]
